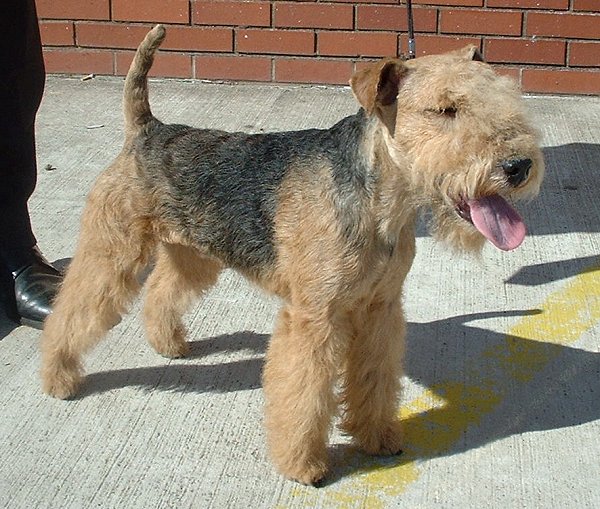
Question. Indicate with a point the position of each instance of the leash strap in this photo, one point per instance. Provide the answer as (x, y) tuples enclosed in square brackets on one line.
[(411, 30)]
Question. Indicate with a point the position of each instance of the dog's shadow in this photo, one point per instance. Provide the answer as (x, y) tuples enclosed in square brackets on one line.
[(480, 387), (182, 376), (487, 386)]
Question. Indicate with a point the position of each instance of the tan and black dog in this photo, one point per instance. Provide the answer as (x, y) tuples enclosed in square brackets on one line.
[(325, 219)]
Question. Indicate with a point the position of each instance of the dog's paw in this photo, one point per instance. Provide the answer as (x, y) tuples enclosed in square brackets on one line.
[(168, 342), (305, 465), (173, 350), (61, 385), (309, 475), (385, 441), (61, 376)]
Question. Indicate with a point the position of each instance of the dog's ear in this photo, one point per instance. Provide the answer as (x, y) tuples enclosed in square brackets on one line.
[(378, 84), (472, 52)]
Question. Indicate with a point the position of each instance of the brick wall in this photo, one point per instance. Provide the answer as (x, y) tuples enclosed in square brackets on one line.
[(550, 46)]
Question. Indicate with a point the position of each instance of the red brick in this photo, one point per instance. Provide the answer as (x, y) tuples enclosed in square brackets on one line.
[(305, 15), (481, 22), (196, 38), (511, 72), (362, 1), (57, 33), (436, 44), (561, 81), (450, 3), (173, 65), (109, 35), (357, 44), (530, 4), (236, 68), (232, 13), (584, 54), (387, 17), (525, 51), (577, 26), (280, 42), (334, 72), (76, 61), (158, 11), (586, 5), (73, 9)]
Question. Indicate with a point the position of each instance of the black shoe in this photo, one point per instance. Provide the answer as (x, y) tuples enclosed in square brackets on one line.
[(35, 286)]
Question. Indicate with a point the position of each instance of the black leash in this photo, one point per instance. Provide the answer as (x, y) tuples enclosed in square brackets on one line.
[(411, 30)]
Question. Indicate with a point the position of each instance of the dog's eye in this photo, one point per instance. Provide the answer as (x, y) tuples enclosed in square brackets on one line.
[(449, 112)]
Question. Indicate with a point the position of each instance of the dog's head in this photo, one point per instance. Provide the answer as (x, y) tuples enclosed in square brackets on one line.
[(460, 142)]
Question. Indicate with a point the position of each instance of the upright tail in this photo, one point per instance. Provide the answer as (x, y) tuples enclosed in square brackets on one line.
[(135, 94)]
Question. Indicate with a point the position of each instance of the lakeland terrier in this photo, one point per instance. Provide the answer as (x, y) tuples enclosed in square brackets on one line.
[(325, 219)]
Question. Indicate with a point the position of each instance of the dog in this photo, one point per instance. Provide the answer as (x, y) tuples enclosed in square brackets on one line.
[(323, 218)]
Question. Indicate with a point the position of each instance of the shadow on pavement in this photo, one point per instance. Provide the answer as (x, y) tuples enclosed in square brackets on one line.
[(480, 386)]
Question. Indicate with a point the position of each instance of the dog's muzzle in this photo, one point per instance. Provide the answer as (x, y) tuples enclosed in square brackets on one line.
[(517, 170)]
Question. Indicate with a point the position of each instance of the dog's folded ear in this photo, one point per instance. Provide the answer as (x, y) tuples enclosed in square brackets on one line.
[(378, 84)]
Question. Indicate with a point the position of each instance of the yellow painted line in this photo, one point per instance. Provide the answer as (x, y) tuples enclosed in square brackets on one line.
[(437, 420)]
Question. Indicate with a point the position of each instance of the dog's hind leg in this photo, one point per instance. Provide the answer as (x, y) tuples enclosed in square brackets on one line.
[(180, 275), (100, 283)]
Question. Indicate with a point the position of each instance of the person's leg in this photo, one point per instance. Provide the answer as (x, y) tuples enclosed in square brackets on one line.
[(21, 89)]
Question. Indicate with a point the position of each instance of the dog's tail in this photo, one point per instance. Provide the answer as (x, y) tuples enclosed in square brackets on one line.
[(135, 94)]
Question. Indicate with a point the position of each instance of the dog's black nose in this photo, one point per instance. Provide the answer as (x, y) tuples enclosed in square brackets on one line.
[(517, 170)]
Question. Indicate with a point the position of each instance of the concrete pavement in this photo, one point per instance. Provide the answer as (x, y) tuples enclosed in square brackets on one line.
[(502, 399)]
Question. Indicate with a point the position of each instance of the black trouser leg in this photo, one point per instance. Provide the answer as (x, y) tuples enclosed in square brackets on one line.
[(21, 87)]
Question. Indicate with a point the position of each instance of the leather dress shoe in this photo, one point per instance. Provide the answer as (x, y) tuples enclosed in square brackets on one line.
[(35, 286)]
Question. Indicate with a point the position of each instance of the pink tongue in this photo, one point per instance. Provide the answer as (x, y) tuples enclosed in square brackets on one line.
[(497, 221)]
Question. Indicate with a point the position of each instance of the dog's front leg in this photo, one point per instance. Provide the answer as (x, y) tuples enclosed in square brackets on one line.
[(298, 381), (371, 379)]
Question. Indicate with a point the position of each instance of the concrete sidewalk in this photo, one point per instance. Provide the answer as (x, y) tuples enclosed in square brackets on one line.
[(502, 399)]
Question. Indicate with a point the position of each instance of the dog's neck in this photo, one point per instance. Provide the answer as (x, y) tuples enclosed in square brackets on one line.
[(369, 169), (392, 201)]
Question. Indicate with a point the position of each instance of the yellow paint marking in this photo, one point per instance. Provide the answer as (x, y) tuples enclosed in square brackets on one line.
[(566, 315), (436, 420)]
